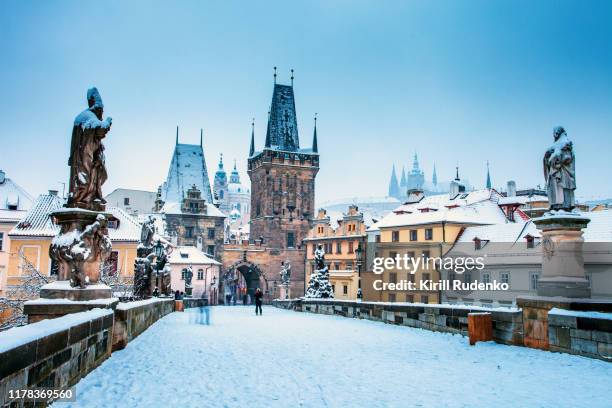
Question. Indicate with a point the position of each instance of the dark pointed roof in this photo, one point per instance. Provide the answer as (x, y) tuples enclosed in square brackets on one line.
[(252, 148), (315, 147), (282, 131)]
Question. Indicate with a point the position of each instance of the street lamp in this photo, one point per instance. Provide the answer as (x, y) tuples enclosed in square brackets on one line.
[(159, 252), (359, 252)]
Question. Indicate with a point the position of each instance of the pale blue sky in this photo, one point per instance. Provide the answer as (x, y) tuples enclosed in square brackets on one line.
[(457, 81)]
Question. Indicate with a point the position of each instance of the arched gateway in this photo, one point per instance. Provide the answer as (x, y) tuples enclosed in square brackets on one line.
[(243, 278)]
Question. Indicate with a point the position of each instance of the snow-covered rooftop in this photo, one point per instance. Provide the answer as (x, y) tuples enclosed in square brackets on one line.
[(172, 207), (190, 255), (37, 222), (187, 168), (475, 207), (14, 200)]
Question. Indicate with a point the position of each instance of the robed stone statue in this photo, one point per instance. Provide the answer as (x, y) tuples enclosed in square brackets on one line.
[(560, 172), (87, 168)]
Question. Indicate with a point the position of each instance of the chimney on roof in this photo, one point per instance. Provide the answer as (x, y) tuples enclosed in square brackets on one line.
[(511, 188), (53, 192)]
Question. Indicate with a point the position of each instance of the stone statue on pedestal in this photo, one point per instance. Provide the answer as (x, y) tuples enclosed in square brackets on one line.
[(560, 172), (188, 276), (563, 271), (285, 272), (82, 245)]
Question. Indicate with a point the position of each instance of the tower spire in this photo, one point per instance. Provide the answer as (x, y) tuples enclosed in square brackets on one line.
[(457, 174), (315, 147), (394, 190), (177, 134), (274, 75), (201, 137), (268, 143), (434, 177), (291, 76), (252, 148), (488, 176)]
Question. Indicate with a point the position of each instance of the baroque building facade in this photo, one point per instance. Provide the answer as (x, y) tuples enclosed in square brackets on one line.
[(282, 205)]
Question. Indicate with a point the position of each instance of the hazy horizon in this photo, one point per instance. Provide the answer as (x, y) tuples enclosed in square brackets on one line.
[(460, 83)]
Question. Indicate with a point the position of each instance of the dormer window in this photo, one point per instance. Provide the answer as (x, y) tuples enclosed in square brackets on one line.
[(530, 241), (477, 244), (113, 224)]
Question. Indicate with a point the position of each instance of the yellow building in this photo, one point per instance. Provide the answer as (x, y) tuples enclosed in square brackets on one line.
[(14, 205), (31, 238), (424, 227), (342, 240)]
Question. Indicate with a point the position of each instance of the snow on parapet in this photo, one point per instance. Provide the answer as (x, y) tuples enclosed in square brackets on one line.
[(18, 336), (573, 313)]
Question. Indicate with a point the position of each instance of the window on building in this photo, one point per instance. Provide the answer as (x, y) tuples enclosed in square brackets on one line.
[(188, 232), (221, 194), (505, 277), (533, 280), (424, 299), (338, 247), (413, 235), (112, 224), (425, 276), (1, 240), (54, 269), (467, 277), (477, 244), (530, 241), (344, 289), (426, 254), (200, 274), (210, 250), (410, 277), (183, 274), (350, 247), (392, 254), (395, 236), (377, 239), (126, 201), (391, 297), (290, 240), (349, 266), (451, 276), (486, 277), (428, 234), (211, 233), (393, 277), (410, 254), (410, 298), (337, 266)]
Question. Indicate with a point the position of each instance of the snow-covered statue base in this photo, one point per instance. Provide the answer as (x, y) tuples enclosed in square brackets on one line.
[(82, 245), (319, 286), (149, 269)]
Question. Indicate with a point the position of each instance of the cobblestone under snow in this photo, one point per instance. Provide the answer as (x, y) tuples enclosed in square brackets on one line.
[(290, 359)]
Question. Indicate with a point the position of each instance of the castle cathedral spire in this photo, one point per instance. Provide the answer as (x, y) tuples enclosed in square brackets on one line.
[(394, 190), (488, 176), (315, 147), (403, 179), (201, 137), (176, 135), (434, 177)]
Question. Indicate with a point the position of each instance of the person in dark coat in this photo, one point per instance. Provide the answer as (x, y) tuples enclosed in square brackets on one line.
[(258, 301)]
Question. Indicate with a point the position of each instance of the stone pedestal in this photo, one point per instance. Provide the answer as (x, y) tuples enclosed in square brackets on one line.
[(59, 298), (82, 244), (562, 255), (285, 292)]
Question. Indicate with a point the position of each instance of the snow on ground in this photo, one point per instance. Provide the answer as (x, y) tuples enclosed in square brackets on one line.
[(291, 359)]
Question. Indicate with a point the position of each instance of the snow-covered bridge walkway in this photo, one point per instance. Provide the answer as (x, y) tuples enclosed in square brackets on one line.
[(289, 359)]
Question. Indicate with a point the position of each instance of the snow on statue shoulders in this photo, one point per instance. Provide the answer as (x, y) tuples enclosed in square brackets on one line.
[(319, 286)]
